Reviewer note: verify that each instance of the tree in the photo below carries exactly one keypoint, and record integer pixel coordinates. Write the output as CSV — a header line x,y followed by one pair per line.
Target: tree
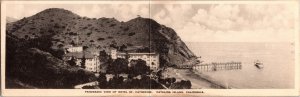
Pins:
x,y
103,56
58,53
26,37
171,80
73,43
114,44
118,66
127,55
102,80
159,74
188,84
181,85
116,82
123,47
144,50
85,47
82,75
144,82
139,67
60,46
72,62
83,62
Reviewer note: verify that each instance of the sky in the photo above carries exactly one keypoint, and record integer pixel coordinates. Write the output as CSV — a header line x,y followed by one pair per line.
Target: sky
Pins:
x,y
258,22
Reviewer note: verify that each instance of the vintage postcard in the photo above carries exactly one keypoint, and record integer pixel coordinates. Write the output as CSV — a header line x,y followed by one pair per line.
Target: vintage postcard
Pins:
x,y
150,48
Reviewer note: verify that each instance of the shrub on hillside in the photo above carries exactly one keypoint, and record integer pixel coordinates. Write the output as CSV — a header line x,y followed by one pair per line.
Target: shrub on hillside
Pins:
x,y
89,33
126,29
73,33
100,39
112,25
129,44
32,28
56,25
131,34
110,37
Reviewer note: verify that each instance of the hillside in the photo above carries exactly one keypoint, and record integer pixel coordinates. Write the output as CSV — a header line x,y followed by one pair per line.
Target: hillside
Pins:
x,y
62,27
29,67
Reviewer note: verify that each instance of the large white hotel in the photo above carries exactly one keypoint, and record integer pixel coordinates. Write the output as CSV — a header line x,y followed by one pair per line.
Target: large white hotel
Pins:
x,y
152,59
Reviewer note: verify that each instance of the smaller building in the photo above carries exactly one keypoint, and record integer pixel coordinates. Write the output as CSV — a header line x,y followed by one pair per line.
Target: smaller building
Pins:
x,y
113,53
92,62
70,48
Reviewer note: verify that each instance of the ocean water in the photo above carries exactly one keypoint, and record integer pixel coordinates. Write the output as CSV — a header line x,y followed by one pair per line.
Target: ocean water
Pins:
x,y
278,60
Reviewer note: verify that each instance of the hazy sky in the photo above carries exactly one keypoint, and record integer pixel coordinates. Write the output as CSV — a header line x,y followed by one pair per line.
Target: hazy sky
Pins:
x,y
193,22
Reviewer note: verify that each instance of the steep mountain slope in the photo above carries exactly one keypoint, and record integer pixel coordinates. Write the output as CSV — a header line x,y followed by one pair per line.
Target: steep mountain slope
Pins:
x,y
63,27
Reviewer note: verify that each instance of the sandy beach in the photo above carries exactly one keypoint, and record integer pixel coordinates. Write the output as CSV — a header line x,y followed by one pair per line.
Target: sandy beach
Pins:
x,y
199,81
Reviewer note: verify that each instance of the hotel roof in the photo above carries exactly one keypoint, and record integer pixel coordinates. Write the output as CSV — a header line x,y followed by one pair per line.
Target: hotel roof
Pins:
x,y
137,53
80,55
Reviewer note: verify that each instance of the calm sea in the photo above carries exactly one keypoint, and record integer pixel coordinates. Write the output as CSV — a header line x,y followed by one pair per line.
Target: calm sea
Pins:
x,y
278,60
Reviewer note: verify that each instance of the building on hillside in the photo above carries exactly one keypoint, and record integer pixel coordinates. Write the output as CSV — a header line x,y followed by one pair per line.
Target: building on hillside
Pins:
x,y
70,48
113,53
152,59
92,62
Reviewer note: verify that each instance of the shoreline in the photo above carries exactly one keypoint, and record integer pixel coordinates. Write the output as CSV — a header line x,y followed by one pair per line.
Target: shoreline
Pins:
x,y
199,81
200,76
206,78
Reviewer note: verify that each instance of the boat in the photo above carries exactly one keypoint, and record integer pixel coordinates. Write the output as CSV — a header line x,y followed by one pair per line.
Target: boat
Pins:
x,y
259,64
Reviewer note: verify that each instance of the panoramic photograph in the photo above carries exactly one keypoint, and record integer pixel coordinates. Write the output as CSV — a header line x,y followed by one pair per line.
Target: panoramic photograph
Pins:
x,y
150,46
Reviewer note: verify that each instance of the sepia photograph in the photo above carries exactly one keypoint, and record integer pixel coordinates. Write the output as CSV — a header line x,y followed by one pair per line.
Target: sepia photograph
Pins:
x,y
150,47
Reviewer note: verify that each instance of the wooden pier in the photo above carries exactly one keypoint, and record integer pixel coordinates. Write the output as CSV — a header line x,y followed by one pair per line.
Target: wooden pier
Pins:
x,y
184,67
218,66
